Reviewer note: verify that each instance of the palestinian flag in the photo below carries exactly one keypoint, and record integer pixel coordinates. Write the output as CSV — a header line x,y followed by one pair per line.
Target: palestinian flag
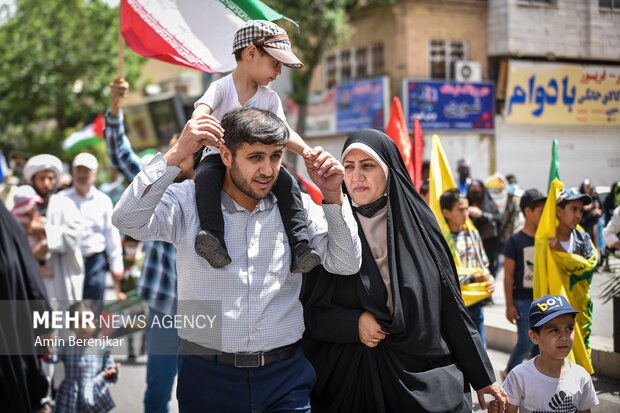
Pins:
x,y
193,33
90,135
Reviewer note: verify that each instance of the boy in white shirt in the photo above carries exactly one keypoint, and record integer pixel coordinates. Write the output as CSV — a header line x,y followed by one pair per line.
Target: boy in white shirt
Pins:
x,y
261,48
549,382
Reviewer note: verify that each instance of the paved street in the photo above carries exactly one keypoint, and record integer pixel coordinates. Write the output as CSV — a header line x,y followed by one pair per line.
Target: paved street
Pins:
x,y
129,391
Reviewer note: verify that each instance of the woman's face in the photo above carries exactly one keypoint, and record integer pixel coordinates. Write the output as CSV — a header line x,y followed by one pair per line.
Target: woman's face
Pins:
x,y
363,176
474,194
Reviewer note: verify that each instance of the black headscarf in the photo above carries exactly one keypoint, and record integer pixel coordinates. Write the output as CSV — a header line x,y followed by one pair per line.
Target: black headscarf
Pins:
x,y
431,339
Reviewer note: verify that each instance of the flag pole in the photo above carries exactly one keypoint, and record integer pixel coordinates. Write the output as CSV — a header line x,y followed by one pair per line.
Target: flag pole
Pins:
x,y
121,52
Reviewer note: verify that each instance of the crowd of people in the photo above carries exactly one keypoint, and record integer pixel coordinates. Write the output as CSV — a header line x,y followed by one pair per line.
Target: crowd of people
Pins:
x,y
377,322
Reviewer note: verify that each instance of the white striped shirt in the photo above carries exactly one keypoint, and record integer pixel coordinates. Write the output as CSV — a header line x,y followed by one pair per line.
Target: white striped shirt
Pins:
x,y
258,295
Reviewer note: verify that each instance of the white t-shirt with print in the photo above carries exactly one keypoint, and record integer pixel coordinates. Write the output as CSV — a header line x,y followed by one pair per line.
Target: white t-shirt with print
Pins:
x,y
221,97
534,392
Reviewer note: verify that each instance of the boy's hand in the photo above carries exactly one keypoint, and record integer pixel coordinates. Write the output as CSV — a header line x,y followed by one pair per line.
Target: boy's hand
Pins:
x,y
512,314
327,173
119,88
490,287
494,406
308,152
117,275
554,244
494,390
197,133
112,372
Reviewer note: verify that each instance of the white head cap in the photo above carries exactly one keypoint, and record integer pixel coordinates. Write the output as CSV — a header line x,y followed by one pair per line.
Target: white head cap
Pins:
x,y
87,160
40,163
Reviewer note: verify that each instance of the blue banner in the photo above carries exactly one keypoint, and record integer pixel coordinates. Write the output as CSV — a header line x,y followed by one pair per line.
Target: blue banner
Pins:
x,y
450,106
361,105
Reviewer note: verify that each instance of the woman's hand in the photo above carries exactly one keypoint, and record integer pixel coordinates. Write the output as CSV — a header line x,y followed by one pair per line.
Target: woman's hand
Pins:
x,y
370,330
494,390
474,211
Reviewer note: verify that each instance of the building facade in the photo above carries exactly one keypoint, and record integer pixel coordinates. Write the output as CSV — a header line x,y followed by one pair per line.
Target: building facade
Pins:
x,y
415,48
556,45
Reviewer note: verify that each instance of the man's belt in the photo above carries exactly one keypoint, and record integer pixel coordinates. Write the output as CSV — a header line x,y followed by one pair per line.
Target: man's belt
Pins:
x,y
241,360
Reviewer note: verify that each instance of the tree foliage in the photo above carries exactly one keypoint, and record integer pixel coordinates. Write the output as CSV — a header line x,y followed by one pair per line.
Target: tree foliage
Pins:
x,y
58,58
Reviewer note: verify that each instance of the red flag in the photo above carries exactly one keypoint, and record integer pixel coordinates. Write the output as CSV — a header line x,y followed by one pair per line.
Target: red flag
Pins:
x,y
397,130
313,191
418,149
193,33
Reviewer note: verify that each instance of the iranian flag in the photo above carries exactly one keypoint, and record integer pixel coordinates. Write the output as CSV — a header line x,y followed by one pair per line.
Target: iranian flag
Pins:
x,y
194,33
89,136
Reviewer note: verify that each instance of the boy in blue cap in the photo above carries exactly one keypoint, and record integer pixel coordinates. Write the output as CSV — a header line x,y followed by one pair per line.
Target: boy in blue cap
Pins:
x,y
550,382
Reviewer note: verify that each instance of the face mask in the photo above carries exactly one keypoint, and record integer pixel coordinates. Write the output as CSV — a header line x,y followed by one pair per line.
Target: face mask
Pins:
x,y
512,188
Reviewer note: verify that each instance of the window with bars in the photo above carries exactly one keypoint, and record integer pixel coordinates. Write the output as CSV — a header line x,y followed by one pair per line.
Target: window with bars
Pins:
x,y
609,4
345,66
349,64
377,59
331,76
442,56
361,62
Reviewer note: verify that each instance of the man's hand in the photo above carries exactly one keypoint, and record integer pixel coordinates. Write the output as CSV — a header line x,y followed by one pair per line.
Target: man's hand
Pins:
x,y
370,330
495,391
512,314
111,372
197,133
327,174
119,88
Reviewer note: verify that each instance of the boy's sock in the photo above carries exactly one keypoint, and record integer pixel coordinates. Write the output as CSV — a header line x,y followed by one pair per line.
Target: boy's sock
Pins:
x,y
211,246
303,258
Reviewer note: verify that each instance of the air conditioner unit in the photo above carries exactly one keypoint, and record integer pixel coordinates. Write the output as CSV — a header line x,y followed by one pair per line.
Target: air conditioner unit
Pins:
x,y
468,71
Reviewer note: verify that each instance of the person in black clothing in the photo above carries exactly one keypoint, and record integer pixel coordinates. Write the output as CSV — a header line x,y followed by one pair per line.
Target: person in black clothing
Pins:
x,y
591,213
396,336
486,218
22,382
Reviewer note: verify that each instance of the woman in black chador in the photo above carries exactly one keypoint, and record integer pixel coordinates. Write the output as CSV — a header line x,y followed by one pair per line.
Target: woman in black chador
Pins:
x,y
396,336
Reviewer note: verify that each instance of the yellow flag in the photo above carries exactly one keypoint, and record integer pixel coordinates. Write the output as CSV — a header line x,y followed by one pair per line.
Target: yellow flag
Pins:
x,y
569,275
440,181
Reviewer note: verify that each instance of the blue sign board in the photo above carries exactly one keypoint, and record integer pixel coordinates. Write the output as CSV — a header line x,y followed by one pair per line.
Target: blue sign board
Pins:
x,y
361,105
450,106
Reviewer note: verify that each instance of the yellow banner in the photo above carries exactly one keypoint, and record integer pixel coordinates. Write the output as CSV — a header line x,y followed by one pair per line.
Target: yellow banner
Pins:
x,y
568,275
440,180
562,94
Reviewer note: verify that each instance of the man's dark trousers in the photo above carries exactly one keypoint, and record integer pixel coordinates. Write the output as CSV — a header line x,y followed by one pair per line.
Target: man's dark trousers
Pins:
x,y
284,386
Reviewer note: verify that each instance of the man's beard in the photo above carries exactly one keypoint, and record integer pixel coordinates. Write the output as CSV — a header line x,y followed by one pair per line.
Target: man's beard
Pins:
x,y
246,187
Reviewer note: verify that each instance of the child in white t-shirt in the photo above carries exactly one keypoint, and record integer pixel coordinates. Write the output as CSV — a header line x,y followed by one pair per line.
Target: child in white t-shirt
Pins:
x,y
261,48
549,382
